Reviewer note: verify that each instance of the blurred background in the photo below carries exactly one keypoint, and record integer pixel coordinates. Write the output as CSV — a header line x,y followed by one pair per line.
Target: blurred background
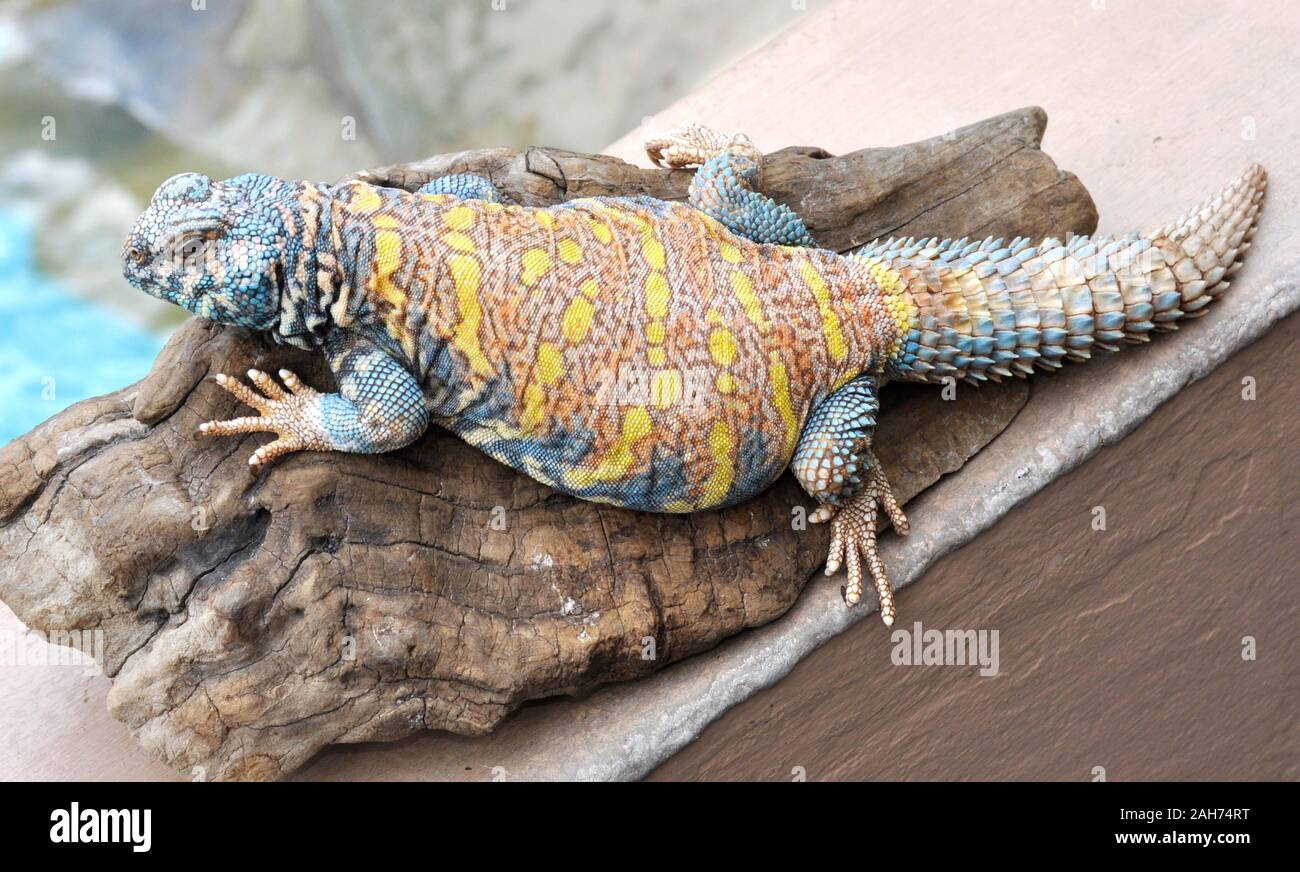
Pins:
x,y
100,100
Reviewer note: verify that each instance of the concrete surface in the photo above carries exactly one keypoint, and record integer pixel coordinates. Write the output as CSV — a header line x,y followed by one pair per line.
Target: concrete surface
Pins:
x,y
1154,105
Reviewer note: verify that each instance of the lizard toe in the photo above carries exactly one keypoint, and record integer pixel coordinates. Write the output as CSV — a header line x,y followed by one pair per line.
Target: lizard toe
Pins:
x,y
295,385
821,514
266,384
242,392
263,456
235,426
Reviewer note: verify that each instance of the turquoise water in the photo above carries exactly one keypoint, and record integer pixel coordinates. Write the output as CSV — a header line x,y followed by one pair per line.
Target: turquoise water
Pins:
x,y
56,349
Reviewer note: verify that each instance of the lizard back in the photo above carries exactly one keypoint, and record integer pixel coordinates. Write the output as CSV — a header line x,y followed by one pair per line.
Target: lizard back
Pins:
x,y
630,351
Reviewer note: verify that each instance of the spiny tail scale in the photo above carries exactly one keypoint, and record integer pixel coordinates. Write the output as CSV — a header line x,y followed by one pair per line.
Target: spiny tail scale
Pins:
x,y
985,310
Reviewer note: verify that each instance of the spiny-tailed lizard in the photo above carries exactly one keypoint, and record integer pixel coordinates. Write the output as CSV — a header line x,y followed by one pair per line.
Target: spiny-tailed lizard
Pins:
x,y
661,356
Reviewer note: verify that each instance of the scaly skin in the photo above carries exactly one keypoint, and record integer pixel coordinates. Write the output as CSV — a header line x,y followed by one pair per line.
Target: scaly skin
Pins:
x,y
653,355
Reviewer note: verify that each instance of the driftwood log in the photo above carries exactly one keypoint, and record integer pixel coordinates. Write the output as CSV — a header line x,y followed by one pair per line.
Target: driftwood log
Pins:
x,y
248,621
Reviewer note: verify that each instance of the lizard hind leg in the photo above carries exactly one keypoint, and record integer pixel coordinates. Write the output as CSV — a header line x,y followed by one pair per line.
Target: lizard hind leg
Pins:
x,y
726,186
834,464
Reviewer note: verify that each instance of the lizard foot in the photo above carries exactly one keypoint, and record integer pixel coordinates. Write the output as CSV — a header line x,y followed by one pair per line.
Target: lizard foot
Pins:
x,y
853,539
293,415
692,145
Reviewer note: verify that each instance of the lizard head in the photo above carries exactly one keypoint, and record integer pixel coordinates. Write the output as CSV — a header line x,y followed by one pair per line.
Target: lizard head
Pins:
x,y
217,249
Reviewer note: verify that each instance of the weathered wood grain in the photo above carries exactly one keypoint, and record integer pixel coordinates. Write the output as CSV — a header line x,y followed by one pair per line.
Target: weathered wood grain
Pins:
x,y
985,179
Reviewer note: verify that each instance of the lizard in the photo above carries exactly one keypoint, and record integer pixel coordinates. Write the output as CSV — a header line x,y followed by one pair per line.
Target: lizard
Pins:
x,y
655,355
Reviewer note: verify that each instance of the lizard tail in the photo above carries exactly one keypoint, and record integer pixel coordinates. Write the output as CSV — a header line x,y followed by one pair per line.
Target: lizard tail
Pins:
x,y
985,310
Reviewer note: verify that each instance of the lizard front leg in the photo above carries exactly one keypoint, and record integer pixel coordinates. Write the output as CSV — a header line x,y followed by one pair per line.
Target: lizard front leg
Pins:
x,y
834,464
379,406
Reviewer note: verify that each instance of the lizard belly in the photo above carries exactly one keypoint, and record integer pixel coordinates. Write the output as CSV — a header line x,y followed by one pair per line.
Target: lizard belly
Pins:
x,y
648,439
